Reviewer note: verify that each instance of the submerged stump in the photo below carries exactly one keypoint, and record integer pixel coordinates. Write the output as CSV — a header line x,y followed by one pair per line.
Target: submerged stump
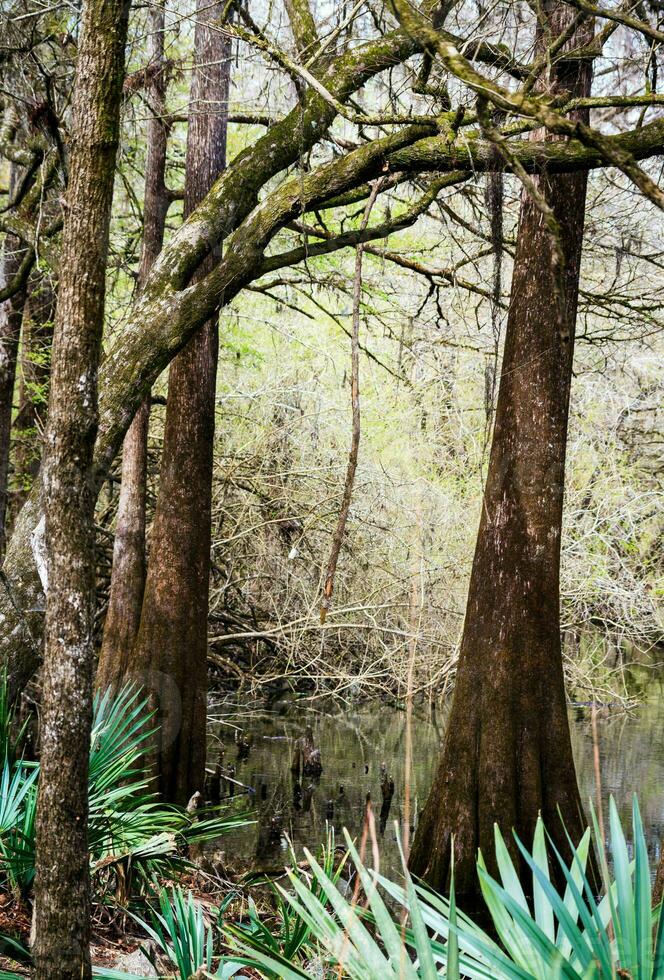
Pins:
x,y
306,757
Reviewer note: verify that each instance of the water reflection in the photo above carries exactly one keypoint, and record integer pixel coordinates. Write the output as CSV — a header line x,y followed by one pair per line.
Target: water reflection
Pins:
x,y
363,754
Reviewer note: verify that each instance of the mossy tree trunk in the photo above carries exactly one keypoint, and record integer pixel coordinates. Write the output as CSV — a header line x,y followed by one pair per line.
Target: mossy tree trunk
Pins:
x,y
507,754
129,561
171,649
62,886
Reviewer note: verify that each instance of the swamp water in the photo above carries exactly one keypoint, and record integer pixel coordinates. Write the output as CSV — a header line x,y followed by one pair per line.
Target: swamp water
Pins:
x,y
355,741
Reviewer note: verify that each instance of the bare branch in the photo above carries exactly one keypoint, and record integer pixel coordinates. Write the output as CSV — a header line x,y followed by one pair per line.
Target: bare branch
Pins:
x,y
338,536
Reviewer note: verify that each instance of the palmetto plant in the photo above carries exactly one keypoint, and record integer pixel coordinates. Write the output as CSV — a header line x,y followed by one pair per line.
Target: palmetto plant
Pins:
x,y
11,734
571,935
18,798
127,825
186,937
18,808
123,815
190,940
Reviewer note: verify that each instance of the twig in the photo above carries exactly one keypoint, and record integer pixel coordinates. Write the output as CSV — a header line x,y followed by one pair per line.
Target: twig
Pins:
x,y
355,398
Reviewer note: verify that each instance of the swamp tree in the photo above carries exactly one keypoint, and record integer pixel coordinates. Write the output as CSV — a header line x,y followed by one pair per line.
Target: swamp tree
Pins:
x,y
507,755
129,560
319,156
170,655
62,888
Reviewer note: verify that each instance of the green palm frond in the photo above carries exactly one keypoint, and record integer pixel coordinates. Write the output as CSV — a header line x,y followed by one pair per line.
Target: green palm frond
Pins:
x,y
18,805
286,934
120,728
127,824
11,740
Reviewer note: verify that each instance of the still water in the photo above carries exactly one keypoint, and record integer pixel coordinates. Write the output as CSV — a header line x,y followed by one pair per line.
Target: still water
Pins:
x,y
355,740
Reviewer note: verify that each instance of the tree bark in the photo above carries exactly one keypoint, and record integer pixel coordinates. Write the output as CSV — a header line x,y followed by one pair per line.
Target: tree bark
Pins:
x,y
507,753
129,561
62,886
33,393
11,315
171,649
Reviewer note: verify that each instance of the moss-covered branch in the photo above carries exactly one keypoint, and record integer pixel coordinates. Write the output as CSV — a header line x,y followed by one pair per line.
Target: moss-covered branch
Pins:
x,y
522,104
619,17
303,27
332,243
161,326
235,193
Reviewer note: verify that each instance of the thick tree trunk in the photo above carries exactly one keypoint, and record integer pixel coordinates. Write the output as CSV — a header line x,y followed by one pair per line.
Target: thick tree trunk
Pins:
x,y
128,575
62,887
507,754
11,314
171,649
33,393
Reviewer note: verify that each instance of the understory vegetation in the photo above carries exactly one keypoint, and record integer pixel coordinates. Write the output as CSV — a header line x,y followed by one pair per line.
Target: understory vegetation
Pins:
x,y
132,835
335,914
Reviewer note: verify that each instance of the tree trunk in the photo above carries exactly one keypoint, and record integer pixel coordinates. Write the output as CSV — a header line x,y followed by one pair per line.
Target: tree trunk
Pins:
x,y
128,575
507,753
33,394
62,886
171,649
11,314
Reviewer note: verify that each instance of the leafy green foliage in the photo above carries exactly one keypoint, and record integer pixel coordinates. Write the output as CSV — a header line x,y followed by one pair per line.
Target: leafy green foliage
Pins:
x,y
182,934
15,950
546,933
572,935
18,809
127,825
10,739
180,931
18,799
128,828
189,940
